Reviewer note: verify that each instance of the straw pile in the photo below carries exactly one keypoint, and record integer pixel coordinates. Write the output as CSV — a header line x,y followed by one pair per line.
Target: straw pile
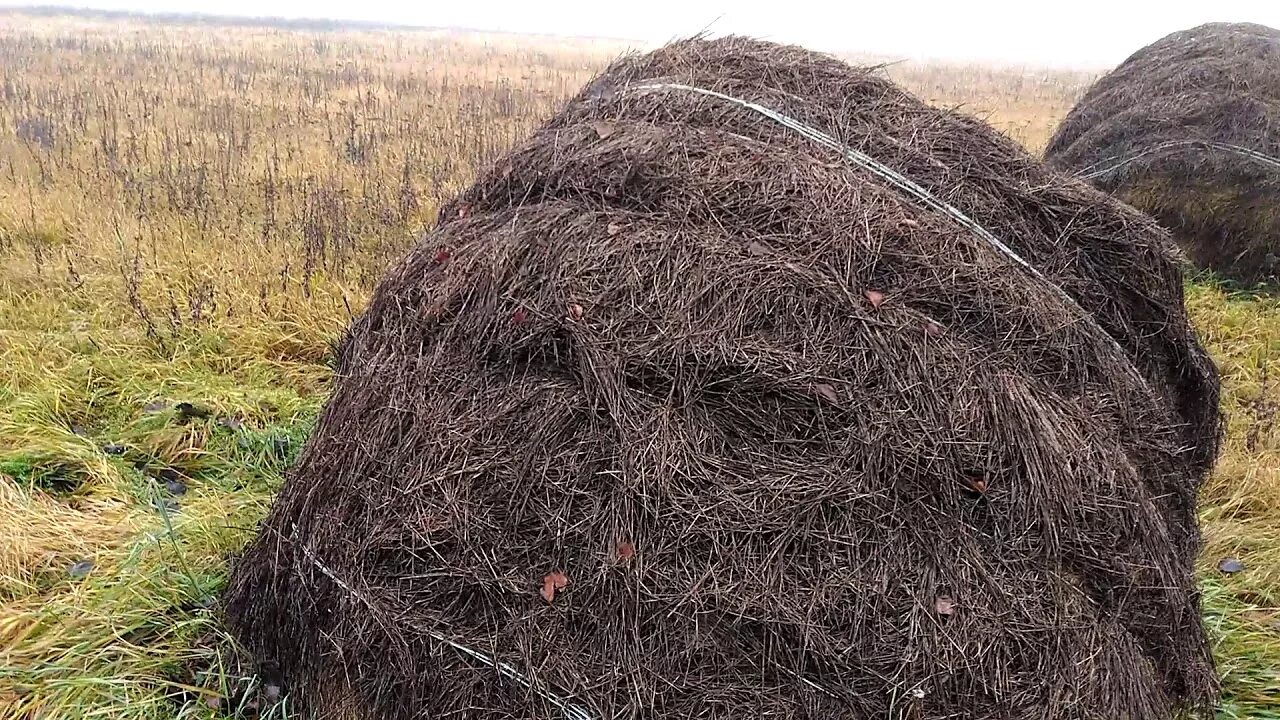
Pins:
x,y
678,413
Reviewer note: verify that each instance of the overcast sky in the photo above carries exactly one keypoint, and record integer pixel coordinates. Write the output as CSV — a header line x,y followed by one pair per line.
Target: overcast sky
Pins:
x,y
1071,33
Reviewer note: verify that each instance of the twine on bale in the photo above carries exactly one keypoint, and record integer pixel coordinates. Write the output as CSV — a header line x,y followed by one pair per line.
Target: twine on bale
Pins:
x,y
904,183
1120,162
571,710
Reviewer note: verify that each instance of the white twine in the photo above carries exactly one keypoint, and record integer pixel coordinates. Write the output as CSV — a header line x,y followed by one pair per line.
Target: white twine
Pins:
x,y
571,711
1090,174
902,182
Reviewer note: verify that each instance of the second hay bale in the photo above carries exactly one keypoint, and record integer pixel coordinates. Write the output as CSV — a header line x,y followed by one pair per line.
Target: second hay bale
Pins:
x,y
1188,130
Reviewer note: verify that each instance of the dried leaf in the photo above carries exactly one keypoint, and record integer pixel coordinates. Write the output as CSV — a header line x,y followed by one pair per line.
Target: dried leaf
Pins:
x,y
442,256
551,583
944,605
626,550
604,129
80,569
757,249
575,311
1230,566
613,229
827,392
519,316
875,297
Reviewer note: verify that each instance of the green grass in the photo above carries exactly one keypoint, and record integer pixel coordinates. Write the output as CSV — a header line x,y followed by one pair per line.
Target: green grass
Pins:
x,y
1240,505
91,446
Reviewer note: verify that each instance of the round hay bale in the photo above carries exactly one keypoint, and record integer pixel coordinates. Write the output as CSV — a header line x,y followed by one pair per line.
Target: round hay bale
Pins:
x,y
1188,130
679,413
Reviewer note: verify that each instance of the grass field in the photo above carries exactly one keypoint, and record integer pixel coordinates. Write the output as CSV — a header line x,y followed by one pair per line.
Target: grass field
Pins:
x,y
189,215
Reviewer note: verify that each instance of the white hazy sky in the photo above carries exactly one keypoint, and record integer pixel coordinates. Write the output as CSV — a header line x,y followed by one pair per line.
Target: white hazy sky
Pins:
x,y
1064,33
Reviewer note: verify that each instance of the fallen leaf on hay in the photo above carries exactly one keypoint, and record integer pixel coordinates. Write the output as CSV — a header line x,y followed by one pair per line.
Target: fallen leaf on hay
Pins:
x,y
604,129
626,550
552,583
827,392
875,297
613,229
575,311
519,316
944,605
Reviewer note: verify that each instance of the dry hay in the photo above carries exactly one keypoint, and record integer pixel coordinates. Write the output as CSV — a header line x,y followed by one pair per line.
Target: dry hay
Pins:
x,y
678,414
1171,131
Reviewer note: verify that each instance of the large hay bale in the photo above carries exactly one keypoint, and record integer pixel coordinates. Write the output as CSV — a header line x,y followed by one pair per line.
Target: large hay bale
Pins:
x,y
677,413
1188,130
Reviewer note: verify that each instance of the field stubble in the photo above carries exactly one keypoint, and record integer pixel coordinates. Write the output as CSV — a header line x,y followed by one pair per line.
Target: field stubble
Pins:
x,y
189,216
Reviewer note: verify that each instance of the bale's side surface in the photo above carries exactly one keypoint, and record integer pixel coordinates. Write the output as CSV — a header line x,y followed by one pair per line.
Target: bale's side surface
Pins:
x,y
678,414
1140,128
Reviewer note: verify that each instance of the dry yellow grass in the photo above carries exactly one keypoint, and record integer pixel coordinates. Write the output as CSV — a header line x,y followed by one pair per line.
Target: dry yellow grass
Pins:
x,y
190,214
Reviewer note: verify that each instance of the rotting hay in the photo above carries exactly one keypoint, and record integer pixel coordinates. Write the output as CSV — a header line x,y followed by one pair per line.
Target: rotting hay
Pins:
x,y
678,413
1188,130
